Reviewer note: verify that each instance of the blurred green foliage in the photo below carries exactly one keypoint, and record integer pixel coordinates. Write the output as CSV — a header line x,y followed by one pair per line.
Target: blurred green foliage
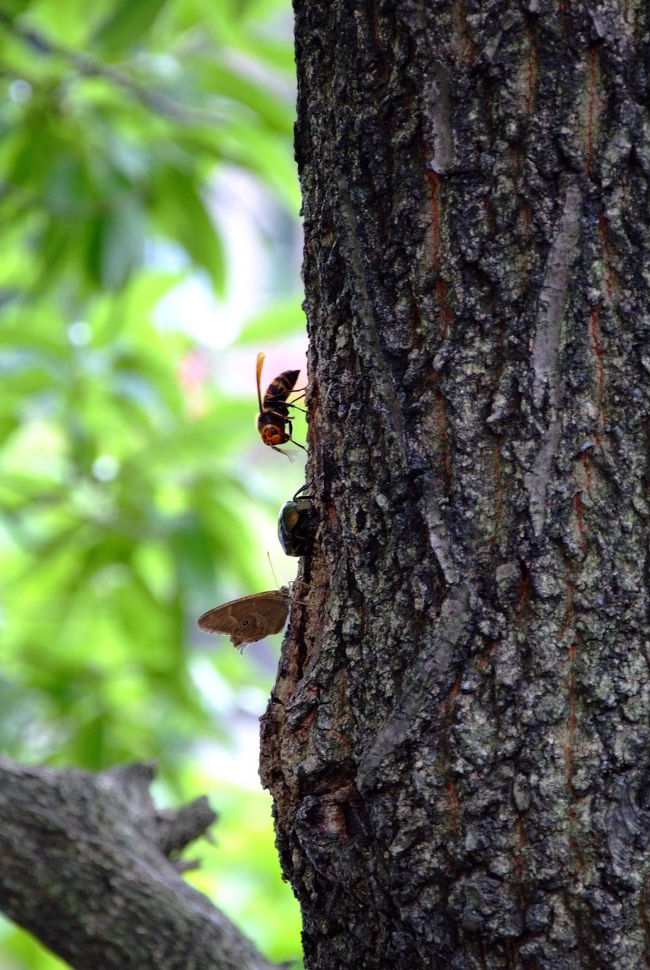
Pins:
x,y
129,500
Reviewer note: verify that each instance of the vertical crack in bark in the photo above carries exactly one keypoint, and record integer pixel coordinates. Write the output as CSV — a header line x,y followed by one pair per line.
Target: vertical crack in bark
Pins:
x,y
440,121
532,67
444,310
426,681
607,256
594,107
366,336
438,534
546,344
596,343
546,350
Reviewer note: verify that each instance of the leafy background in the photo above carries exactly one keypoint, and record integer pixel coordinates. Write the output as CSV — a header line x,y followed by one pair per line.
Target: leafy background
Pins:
x,y
150,247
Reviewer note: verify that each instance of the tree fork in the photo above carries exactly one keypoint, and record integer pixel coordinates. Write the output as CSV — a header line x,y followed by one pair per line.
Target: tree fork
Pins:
x,y
85,868
457,743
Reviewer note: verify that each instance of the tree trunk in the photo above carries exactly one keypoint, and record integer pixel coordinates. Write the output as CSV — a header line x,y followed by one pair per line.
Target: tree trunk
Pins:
x,y
458,740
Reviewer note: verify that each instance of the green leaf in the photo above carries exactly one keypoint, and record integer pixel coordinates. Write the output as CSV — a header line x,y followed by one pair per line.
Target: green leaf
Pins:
x,y
106,564
67,188
284,318
118,244
273,109
193,559
255,150
128,23
181,213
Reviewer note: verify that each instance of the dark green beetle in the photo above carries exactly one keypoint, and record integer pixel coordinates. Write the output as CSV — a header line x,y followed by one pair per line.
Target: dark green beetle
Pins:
x,y
297,523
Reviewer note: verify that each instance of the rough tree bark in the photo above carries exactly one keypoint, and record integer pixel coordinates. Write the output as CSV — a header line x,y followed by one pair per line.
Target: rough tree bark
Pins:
x,y
458,740
84,865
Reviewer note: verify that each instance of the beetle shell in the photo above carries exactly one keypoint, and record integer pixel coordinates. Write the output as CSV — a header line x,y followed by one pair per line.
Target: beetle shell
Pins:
x,y
296,525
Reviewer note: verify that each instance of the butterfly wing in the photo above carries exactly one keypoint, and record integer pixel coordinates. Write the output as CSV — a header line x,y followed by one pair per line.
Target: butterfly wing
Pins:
x,y
249,618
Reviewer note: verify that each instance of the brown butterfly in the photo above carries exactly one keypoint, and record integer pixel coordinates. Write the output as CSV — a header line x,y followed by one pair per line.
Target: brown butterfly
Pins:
x,y
249,618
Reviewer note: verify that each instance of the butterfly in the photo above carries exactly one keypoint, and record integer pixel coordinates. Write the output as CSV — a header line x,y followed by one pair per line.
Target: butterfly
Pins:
x,y
249,618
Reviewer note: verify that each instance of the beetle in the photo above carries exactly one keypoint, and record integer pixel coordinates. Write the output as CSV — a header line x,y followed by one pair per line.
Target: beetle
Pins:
x,y
297,521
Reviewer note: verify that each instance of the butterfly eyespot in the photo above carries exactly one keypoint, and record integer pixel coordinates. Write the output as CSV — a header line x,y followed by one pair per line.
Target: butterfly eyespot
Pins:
x,y
248,618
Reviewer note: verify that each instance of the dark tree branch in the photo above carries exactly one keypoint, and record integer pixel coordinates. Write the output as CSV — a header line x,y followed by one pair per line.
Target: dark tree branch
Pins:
x,y
152,98
85,868
178,827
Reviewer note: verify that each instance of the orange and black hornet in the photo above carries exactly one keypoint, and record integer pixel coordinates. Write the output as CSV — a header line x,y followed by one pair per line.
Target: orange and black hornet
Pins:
x,y
273,419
